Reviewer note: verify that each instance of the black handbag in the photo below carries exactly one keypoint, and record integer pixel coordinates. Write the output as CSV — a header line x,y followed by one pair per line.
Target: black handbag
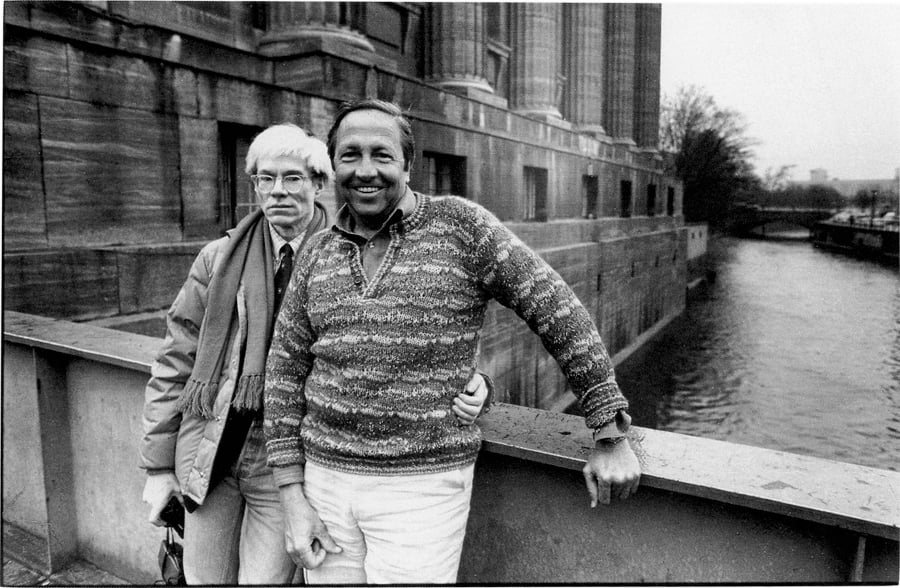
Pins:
x,y
171,561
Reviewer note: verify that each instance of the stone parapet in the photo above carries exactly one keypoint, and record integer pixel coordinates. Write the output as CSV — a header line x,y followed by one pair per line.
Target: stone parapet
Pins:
x,y
706,512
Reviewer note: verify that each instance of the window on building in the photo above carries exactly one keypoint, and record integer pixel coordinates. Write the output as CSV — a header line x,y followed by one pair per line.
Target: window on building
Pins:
x,y
670,201
625,199
352,15
445,174
496,16
383,22
535,194
591,193
651,199
237,198
259,15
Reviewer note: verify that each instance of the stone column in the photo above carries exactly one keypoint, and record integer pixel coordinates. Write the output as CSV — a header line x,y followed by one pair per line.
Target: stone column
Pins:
x,y
584,44
290,23
648,25
618,106
534,68
457,46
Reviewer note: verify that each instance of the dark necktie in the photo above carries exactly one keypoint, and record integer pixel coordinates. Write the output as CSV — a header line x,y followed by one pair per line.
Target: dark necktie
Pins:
x,y
283,274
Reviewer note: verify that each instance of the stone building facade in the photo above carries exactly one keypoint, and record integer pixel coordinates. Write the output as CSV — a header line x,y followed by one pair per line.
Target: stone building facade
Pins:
x,y
126,124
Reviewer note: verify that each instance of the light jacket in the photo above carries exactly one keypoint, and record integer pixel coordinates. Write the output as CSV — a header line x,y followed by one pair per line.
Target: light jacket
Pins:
x,y
184,443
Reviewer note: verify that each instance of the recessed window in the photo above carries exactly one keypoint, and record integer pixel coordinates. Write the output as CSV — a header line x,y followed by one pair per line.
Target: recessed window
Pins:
x,y
651,199
670,201
237,198
535,194
445,174
591,190
625,199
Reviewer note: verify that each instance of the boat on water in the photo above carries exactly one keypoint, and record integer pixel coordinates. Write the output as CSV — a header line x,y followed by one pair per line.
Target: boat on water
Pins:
x,y
866,236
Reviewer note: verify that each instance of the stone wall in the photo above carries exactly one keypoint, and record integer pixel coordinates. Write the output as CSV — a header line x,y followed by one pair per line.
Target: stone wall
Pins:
x,y
116,159
629,284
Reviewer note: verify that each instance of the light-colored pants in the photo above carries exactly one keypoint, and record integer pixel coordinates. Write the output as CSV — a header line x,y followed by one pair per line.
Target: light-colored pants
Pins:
x,y
237,534
393,529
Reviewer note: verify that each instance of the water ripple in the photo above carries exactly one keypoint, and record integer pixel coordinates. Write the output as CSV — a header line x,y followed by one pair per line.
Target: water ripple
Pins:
x,y
792,348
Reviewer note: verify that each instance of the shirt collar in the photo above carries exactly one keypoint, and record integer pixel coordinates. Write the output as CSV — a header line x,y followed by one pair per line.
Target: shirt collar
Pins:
x,y
278,242
346,224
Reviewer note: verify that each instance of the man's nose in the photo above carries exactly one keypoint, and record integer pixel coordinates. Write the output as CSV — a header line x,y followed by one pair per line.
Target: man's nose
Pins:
x,y
366,168
278,187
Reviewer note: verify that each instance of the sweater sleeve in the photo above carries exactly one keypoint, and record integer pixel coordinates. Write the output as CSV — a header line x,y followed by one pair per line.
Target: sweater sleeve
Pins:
x,y
519,279
287,367
173,365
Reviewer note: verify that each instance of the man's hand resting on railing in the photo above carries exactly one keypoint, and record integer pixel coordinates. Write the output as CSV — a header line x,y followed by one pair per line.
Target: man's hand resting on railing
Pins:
x,y
157,492
611,470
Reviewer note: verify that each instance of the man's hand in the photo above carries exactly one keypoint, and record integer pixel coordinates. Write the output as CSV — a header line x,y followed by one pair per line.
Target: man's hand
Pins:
x,y
611,471
157,492
305,537
468,405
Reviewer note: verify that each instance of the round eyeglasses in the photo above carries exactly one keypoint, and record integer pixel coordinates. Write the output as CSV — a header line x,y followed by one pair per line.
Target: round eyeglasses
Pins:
x,y
265,184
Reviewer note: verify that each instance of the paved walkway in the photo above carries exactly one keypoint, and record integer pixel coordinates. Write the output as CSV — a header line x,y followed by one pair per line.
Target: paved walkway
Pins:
x,y
24,562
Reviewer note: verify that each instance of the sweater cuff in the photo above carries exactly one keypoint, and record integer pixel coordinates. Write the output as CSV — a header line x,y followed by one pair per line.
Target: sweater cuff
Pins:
x,y
287,475
614,428
488,401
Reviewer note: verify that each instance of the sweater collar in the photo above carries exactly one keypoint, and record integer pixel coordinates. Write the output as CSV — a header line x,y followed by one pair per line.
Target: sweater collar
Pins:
x,y
406,214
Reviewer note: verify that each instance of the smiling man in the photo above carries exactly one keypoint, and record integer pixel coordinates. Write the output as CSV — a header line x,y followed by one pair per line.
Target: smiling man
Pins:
x,y
380,327
203,440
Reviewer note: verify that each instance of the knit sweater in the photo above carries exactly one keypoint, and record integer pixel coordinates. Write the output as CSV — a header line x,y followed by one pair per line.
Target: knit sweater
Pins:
x,y
361,374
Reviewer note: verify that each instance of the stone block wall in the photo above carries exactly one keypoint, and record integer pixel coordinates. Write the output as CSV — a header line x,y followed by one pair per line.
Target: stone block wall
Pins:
x,y
629,284
85,283
114,118
642,281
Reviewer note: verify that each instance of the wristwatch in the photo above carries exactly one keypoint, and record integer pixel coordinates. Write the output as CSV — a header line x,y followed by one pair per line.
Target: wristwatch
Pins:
x,y
610,441
613,432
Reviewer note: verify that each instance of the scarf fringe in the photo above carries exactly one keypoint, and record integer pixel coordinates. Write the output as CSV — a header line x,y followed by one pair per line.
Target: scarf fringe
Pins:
x,y
198,398
249,393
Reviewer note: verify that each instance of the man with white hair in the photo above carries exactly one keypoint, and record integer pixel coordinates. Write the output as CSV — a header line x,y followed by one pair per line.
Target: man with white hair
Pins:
x,y
203,442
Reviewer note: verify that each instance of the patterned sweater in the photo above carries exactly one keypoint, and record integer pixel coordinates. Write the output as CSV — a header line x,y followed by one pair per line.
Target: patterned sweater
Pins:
x,y
361,375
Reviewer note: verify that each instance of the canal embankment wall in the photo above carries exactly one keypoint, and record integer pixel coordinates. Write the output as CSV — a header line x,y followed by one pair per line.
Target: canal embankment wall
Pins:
x,y
127,125
629,273
707,511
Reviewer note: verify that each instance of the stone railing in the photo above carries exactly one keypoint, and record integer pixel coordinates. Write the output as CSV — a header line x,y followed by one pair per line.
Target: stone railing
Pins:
x,y
707,511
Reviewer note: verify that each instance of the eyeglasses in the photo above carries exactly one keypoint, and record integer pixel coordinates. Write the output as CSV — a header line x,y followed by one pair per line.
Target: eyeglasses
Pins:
x,y
265,184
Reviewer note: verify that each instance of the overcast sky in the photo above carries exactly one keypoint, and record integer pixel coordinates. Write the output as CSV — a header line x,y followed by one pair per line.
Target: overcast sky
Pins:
x,y
817,83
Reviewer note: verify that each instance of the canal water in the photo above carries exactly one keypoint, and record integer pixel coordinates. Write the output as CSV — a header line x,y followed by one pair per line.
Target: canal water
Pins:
x,y
791,348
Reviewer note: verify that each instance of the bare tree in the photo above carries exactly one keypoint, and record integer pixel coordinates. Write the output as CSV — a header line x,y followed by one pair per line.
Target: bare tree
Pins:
x,y
775,181
707,148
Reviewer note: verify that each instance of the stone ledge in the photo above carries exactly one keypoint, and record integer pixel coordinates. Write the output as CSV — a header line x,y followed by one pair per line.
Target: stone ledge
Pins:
x,y
848,496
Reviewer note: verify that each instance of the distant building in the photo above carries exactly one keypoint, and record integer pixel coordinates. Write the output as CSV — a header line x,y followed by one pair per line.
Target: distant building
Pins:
x,y
818,176
849,188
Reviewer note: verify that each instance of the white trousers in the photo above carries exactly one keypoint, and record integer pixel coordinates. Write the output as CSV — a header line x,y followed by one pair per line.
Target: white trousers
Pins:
x,y
405,529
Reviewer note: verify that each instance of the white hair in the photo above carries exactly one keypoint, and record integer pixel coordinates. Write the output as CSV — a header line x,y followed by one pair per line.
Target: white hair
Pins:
x,y
289,139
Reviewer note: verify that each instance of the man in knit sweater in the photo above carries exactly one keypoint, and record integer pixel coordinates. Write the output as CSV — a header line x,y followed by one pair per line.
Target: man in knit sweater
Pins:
x,y
203,438
378,332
